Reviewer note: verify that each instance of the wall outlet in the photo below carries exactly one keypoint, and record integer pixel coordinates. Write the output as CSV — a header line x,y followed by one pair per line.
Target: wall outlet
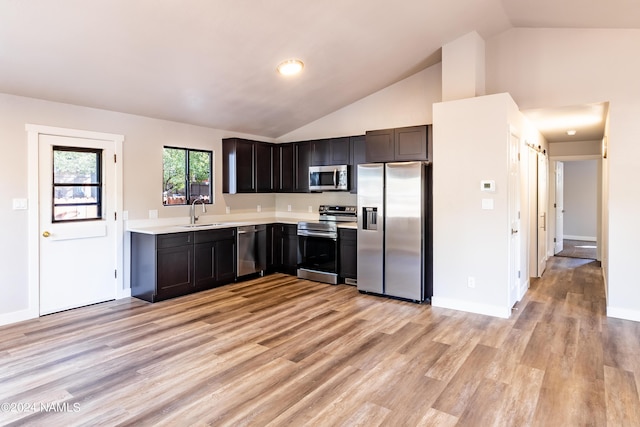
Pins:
x,y
228,209
471,282
310,208
153,214
288,208
259,208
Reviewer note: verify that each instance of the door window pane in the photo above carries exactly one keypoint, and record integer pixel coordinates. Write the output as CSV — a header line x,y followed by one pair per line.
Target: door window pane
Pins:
x,y
77,184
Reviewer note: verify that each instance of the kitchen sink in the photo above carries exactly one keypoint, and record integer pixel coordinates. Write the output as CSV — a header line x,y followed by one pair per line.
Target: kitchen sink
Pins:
x,y
200,225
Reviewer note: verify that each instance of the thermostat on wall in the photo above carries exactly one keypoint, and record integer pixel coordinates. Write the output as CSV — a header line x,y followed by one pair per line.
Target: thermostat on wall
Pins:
x,y
488,185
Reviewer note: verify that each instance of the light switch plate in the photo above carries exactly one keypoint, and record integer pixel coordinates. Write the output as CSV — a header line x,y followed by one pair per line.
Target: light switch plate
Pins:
x,y
487,204
20,204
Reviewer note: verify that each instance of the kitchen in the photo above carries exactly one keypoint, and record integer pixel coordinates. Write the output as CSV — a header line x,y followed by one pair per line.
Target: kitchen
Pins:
x,y
329,165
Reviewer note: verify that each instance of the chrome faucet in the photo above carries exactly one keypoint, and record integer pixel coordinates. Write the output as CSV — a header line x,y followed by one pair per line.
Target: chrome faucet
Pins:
x,y
194,218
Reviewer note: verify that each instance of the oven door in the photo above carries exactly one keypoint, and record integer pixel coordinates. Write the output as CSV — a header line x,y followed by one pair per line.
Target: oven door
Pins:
x,y
319,258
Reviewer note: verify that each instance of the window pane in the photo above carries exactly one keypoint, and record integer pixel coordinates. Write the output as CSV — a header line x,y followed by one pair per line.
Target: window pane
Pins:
x,y
69,213
174,165
77,184
64,195
75,167
200,175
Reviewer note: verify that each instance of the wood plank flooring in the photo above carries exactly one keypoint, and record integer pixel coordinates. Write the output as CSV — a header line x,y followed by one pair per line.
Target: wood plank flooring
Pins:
x,y
279,351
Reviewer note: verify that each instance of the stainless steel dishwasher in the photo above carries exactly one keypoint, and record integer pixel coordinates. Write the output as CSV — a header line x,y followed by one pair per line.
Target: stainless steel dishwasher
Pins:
x,y
252,249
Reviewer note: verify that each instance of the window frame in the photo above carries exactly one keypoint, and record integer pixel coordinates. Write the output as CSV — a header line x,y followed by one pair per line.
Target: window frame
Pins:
x,y
99,184
187,170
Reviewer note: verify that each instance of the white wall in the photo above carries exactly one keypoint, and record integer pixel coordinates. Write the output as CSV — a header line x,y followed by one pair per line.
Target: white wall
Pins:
x,y
471,144
580,200
560,67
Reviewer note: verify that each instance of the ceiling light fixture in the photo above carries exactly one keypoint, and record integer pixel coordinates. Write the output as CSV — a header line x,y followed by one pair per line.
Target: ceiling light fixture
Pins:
x,y
290,67
571,132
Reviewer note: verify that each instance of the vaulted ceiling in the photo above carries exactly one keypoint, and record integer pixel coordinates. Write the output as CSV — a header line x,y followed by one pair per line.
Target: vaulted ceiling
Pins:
x,y
212,62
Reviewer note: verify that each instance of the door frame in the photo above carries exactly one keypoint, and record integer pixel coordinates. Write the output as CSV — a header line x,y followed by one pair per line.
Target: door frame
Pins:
x,y
577,158
33,191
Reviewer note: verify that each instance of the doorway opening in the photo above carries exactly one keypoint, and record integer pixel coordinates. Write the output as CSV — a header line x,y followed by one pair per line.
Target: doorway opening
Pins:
x,y
577,205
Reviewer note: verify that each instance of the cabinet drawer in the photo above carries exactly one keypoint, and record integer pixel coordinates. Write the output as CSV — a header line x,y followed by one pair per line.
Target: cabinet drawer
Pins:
x,y
173,240
214,235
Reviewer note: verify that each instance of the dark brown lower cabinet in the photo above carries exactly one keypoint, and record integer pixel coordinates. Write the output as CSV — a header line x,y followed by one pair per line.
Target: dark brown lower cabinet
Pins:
x,y
169,265
215,260
348,253
165,266
285,248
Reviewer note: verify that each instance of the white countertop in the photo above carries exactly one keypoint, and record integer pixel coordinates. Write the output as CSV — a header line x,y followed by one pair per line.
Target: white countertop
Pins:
x,y
180,225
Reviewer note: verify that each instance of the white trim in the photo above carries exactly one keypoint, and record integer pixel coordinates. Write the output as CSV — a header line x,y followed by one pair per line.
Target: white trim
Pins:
x,y
33,238
16,316
587,238
524,288
471,307
623,313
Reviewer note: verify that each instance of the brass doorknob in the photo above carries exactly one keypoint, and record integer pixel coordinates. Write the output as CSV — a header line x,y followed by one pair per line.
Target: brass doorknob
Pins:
x,y
46,234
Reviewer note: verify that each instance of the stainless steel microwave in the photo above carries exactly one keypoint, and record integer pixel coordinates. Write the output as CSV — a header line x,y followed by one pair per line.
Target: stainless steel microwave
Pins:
x,y
329,178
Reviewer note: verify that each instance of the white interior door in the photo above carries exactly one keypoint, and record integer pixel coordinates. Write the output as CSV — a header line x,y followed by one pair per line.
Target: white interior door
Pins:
x,y
514,219
542,212
77,228
559,207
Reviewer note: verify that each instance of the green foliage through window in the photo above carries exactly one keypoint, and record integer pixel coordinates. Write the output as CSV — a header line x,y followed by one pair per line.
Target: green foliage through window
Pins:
x,y
186,176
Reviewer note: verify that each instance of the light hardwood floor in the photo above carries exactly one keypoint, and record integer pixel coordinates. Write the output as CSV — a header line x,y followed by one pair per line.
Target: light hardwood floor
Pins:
x,y
280,351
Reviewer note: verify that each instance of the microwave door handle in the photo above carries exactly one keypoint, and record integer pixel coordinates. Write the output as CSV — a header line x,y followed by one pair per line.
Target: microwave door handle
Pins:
x,y
335,172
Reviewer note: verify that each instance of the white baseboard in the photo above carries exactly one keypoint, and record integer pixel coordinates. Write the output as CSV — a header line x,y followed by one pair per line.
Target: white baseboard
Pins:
x,y
623,313
17,316
524,288
123,293
471,307
586,238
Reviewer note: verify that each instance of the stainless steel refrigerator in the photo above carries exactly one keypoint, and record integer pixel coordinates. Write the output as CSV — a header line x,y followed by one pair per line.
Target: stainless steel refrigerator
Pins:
x,y
395,254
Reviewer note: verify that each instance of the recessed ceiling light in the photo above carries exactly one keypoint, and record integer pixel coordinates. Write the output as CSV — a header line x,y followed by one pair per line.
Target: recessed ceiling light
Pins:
x,y
290,67
571,132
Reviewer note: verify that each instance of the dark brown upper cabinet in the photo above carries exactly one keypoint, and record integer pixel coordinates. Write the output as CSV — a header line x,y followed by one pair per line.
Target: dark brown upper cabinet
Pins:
x,y
357,157
302,159
284,168
333,151
400,144
247,166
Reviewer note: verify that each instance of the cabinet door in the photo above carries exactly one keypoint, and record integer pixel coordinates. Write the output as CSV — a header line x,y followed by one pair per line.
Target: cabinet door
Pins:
x,y
411,143
286,168
289,249
204,266
357,158
225,260
379,146
238,166
245,167
174,271
264,167
339,151
302,159
320,155
348,253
